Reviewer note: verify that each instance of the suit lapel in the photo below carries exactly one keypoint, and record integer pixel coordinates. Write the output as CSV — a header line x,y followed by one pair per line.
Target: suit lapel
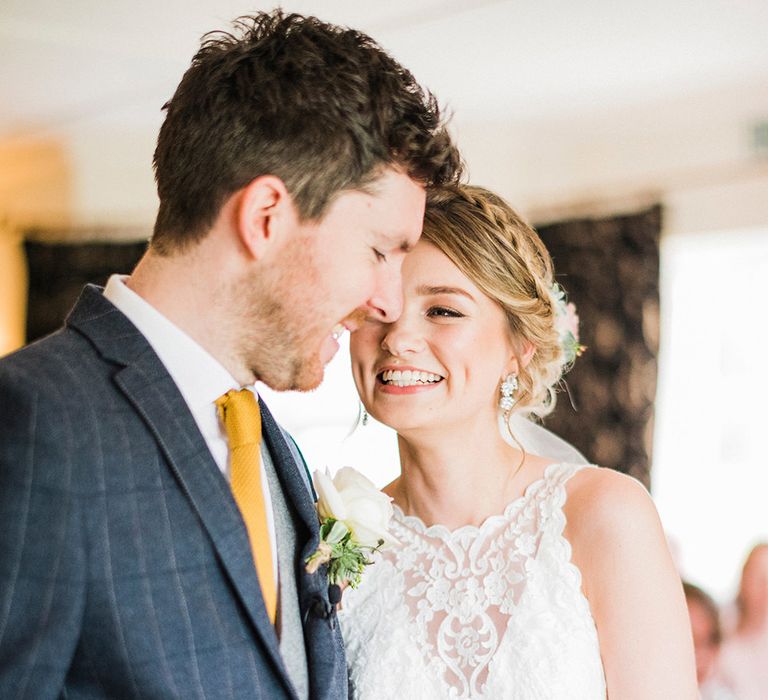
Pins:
x,y
289,471
153,393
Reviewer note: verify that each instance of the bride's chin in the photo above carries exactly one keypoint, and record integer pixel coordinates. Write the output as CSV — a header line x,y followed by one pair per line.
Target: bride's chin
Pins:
x,y
401,422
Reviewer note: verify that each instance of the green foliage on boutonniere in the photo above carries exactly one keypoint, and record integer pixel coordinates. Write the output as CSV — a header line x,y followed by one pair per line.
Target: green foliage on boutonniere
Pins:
x,y
346,558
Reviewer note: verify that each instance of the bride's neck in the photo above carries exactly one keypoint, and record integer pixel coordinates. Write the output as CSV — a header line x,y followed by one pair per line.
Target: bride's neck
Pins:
x,y
455,478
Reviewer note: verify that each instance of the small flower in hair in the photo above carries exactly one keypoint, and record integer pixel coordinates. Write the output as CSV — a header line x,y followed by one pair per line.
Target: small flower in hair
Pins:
x,y
567,325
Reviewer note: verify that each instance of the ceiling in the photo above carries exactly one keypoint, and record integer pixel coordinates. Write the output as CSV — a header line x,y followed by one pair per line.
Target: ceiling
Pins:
x,y
64,63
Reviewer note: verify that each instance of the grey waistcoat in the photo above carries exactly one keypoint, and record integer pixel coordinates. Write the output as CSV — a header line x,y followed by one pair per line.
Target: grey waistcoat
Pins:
x,y
289,627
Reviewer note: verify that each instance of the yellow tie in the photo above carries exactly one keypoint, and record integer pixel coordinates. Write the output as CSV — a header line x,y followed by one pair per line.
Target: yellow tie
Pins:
x,y
239,412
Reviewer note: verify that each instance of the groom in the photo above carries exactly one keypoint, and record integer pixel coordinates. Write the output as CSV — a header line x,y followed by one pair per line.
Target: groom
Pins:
x,y
291,169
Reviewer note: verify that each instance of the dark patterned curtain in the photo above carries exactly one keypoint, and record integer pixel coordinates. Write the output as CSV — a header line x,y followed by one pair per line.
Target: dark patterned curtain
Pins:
x,y
610,269
58,272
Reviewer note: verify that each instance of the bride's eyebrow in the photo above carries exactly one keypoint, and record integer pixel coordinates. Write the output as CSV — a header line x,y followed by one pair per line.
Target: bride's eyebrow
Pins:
x,y
429,290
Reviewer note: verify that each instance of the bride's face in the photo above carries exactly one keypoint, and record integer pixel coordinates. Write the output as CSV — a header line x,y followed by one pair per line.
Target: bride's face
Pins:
x,y
441,362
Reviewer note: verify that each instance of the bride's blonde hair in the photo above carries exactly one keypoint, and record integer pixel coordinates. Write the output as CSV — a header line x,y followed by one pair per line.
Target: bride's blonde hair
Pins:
x,y
484,237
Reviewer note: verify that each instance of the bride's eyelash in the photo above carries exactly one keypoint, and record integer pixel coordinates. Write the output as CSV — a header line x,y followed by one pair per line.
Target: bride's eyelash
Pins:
x,y
443,312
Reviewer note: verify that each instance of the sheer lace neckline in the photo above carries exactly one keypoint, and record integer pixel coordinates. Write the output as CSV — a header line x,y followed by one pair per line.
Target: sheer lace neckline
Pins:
x,y
414,522
479,612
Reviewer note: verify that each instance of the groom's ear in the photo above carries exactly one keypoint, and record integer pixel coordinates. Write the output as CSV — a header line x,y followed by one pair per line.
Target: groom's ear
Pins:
x,y
264,212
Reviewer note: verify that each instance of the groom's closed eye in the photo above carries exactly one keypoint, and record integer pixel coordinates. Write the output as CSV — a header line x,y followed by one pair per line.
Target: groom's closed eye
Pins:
x,y
389,248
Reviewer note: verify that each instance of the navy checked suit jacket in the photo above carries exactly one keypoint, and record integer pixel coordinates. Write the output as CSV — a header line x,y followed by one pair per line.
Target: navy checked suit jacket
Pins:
x,y
125,567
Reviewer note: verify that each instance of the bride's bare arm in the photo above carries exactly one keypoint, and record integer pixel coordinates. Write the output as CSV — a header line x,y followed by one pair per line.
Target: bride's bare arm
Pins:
x,y
632,586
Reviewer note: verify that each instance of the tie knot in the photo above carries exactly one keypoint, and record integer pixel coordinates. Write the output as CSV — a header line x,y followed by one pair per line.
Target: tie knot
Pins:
x,y
239,411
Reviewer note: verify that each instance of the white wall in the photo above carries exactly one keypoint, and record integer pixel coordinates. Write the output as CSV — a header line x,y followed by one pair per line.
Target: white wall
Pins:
x,y
593,162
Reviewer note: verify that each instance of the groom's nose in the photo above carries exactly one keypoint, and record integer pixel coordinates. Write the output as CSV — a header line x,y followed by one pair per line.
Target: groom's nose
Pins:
x,y
386,303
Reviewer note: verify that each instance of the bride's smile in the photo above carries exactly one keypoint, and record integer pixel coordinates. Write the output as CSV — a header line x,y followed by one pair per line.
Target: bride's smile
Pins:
x,y
406,380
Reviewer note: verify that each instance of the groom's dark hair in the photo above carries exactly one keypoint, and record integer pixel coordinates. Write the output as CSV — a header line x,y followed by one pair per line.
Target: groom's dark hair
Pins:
x,y
322,107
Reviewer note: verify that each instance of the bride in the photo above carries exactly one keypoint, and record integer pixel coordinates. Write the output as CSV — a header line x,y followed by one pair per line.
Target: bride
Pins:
x,y
516,575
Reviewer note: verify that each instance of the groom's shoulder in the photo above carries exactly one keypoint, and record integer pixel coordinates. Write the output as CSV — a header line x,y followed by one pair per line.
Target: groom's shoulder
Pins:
x,y
62,357
54,384
44,414
84,347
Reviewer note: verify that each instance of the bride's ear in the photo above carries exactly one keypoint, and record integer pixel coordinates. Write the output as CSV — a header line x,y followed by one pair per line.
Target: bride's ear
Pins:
x,y
522,354
264,213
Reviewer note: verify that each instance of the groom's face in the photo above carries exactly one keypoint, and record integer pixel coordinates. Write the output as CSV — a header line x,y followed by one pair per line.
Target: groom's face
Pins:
x,y
335,273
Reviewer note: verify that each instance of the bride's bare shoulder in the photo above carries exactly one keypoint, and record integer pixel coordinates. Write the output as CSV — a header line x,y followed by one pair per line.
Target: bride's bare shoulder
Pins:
x,y
606,504
615,533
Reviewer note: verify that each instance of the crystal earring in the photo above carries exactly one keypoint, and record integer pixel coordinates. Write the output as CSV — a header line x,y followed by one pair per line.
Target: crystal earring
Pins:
x,y
508,388
364,420
506,403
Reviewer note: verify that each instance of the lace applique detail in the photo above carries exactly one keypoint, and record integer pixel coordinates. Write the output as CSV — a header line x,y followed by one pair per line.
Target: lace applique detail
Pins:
x,y
494,611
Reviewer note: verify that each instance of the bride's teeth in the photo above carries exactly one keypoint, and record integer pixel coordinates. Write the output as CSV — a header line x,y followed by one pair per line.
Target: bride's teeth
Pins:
x,y
409,377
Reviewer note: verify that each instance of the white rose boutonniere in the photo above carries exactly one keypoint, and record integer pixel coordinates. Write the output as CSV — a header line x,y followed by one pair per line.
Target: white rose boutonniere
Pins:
x,y
354,520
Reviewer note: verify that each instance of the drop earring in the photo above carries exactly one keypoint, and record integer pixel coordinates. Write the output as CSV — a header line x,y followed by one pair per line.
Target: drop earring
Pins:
x,y
506,403
508,388
364,419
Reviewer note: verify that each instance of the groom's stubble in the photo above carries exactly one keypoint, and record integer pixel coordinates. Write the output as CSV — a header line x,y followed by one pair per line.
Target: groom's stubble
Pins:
x,y
283,320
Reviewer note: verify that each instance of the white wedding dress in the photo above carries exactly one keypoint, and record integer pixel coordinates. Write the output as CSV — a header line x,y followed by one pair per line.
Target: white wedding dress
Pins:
x,y
493,612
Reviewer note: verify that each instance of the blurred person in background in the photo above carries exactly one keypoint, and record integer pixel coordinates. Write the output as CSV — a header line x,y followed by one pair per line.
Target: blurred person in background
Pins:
x,y
707,638
744,655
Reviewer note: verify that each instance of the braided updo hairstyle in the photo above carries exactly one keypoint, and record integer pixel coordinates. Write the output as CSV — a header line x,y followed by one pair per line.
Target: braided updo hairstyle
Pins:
x,y
484,237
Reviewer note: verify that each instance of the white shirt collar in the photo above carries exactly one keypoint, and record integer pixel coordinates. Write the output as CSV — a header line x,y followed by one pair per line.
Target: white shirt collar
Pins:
x,y
201,378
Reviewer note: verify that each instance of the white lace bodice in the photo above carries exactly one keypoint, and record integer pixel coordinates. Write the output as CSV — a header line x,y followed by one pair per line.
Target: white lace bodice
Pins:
x,y
493,612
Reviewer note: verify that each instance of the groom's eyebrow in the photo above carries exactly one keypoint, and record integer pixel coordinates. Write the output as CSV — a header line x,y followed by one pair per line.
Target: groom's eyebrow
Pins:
x,y
429,290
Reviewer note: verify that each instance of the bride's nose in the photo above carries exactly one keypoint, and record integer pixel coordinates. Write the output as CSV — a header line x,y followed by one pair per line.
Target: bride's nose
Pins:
x,y
403,337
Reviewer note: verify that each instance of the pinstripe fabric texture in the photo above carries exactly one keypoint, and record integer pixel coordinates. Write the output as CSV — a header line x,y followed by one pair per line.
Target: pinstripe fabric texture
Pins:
x,y
125,567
